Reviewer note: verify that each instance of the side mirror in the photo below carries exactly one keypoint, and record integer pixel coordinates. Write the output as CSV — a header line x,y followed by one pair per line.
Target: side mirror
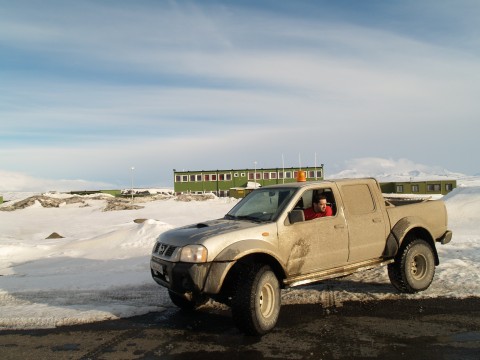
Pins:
x,y
295,216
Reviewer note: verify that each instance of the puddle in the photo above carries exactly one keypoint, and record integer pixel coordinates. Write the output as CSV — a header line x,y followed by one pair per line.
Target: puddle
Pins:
x,y
461,337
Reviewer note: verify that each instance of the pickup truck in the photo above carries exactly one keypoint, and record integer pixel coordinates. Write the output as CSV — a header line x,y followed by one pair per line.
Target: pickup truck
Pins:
x,y
264,244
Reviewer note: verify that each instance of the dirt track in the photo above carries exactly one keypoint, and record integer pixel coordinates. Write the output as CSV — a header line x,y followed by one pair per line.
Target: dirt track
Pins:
x,y
389,329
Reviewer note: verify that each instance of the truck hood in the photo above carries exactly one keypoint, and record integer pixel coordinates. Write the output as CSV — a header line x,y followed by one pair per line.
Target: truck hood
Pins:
x,y
200,232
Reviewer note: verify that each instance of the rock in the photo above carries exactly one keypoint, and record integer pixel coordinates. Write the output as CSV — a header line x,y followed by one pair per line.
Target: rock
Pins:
x,y
195,197
54,235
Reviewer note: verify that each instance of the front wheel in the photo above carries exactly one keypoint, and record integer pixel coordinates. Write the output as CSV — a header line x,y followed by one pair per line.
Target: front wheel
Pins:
x,y
256,304
413,268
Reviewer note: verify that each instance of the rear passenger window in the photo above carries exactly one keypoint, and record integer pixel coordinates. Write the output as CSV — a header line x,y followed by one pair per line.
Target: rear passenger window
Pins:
x,y
358,199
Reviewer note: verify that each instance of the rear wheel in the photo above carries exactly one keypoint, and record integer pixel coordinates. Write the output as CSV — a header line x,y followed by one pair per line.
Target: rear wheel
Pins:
x,y
256,304
414,267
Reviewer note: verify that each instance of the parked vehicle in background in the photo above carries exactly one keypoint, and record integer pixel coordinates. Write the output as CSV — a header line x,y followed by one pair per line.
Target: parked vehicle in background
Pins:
x,y
264,244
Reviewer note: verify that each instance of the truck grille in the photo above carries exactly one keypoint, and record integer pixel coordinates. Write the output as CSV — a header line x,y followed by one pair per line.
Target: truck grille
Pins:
x,y
164,249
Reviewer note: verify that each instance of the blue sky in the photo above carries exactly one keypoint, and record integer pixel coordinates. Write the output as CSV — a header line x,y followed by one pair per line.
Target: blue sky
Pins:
x,y
89,89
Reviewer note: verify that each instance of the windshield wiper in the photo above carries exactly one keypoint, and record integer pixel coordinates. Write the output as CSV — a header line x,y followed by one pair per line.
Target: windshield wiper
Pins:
x,y
250,218
245,217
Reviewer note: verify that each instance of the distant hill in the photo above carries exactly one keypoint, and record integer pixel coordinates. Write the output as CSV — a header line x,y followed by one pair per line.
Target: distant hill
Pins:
x,y
385,170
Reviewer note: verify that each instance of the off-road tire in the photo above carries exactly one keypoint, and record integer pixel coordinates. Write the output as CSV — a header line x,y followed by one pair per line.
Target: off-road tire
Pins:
x,y
182,302
256,303
414,267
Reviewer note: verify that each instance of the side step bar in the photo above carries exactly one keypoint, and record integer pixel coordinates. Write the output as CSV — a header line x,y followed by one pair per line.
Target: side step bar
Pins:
x,y
335,272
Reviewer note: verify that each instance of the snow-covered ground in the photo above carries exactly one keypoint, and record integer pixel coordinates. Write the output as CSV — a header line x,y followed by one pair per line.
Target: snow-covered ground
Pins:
x,y
99,268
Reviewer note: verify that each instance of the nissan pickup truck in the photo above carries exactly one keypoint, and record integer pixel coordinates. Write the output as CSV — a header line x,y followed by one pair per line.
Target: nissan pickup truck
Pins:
x,y
264,244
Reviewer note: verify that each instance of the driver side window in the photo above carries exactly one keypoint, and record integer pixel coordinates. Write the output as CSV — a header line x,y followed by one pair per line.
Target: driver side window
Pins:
x,y
308,196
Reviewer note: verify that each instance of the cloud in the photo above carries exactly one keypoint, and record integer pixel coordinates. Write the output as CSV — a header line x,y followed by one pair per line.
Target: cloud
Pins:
x,y
16,181
95,88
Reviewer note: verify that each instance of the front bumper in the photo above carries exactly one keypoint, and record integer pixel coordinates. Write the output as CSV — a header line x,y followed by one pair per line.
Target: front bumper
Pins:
x,y
204,278
179,277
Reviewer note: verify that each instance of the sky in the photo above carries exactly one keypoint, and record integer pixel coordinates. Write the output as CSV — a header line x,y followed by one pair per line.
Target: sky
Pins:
x,y
90,89
99,269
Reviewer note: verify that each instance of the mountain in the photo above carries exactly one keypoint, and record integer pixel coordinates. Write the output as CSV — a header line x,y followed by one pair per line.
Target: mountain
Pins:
x,y
386,170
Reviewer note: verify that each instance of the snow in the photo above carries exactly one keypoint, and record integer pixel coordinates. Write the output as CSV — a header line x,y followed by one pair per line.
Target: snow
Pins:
x,y
99,268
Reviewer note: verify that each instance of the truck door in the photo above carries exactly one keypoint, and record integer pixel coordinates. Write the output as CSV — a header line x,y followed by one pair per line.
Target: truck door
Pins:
x,y
367,226
316,244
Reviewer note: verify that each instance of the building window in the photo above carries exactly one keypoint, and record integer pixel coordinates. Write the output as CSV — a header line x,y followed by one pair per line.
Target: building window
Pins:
x,y
210,177
448,187
319,174
280,174
252,176
192,178
399,188
223,193
178,178
225,177
242,174
273,175
288,174
198,177
266,176
311,174
415,188
184,178
235,175
433,187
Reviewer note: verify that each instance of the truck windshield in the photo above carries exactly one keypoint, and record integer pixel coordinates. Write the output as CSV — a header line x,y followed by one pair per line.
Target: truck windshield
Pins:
x,y
261,205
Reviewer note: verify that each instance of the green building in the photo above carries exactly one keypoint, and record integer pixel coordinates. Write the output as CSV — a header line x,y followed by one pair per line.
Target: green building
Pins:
x,y
419,187
237,182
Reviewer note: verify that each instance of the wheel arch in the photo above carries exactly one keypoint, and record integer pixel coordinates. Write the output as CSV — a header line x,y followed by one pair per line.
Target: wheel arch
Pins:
x,y
406,235
238,256
266,259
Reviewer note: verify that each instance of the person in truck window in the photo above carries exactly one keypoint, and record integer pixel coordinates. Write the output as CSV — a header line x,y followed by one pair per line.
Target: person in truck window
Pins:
x,y
319,208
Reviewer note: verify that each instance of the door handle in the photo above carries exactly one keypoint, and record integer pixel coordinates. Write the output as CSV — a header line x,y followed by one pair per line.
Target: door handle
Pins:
x,y
377,220
339,226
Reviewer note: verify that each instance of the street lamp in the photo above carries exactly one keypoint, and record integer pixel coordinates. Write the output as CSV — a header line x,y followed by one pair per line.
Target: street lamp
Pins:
x,y
131,190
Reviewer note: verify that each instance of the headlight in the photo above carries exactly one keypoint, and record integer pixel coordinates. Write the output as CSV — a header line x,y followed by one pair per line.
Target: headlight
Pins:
x,y
194,254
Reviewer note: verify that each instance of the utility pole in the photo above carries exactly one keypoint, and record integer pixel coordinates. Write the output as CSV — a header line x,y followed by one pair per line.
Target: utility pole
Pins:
x,y
131,190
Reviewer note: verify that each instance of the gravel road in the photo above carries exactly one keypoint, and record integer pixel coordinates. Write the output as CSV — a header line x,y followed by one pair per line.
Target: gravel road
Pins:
x,y
441,328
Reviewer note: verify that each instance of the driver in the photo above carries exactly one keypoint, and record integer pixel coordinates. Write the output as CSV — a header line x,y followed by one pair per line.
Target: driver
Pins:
x,y
319,208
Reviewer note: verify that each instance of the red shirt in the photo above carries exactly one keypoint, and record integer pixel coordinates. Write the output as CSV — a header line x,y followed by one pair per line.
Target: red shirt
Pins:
x,y
311,214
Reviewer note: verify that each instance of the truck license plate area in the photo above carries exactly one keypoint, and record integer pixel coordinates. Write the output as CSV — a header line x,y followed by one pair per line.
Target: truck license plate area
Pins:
x,y
160,271
157,267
